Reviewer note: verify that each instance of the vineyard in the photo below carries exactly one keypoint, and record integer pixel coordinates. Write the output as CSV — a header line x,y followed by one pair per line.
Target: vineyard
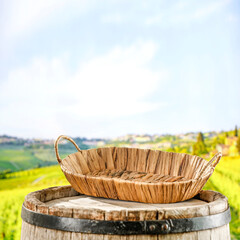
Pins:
x,y
17,158
226,179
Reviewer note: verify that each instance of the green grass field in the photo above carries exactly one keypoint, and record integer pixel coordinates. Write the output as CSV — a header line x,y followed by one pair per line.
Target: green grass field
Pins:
x,y
14,188
21,158
17,159
225,179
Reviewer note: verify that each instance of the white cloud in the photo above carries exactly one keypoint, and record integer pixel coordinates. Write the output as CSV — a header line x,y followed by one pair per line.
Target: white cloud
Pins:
x,y
113,18
109,86
232,18
154,19
210,9
22,17
186,12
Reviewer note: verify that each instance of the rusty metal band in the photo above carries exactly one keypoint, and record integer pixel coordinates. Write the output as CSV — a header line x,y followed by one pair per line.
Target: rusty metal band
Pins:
x,y
126,227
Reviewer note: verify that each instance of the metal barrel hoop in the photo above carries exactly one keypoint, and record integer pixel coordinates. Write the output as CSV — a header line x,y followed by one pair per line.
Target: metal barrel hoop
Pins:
x,y
126,227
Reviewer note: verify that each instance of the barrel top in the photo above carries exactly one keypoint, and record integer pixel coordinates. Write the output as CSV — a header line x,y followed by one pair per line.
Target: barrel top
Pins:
x,y
64,201
89,202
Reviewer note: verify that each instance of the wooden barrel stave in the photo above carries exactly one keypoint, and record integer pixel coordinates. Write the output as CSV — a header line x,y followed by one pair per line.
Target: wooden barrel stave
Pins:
x,y
33,232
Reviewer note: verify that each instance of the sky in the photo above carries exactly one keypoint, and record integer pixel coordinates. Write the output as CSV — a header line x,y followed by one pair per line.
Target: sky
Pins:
x,y
110,68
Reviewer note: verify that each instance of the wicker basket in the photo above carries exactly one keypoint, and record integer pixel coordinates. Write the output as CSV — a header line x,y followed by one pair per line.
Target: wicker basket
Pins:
x,y
133,174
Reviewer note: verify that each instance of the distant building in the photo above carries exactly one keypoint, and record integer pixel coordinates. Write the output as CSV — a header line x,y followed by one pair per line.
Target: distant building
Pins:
x,y
48,142
90,143
125,138
229,141
210,134
142,139
146,146
229,148
224,149
187,136
164,145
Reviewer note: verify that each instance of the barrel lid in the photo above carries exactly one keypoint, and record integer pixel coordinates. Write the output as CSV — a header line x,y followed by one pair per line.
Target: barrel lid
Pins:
x,y
64,201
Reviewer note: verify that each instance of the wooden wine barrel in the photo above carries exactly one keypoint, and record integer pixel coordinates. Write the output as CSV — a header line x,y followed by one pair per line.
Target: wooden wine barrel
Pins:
x,y
62,213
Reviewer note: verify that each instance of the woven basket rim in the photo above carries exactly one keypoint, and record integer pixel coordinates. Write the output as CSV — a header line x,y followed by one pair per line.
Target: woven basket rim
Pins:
x,y
205,176
147,149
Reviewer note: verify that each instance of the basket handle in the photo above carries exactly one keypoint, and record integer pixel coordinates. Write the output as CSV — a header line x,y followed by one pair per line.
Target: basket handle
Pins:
x,y
56,146
214,161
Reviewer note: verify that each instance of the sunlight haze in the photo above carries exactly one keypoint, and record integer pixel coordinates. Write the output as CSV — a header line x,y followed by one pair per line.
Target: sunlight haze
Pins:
x,y
85,68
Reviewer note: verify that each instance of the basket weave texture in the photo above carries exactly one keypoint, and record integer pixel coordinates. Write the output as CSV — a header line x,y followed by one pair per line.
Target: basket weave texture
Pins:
x,y
133,174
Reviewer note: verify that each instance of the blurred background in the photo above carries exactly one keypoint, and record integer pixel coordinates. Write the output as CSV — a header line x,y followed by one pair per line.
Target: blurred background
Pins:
x,y
150,74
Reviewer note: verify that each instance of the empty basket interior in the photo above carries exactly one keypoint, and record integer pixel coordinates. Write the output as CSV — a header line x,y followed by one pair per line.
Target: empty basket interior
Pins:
x,y
135,164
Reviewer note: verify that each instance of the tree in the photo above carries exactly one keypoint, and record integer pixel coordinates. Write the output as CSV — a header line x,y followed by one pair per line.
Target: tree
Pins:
x,y
199,147
200,137
238,144
236,131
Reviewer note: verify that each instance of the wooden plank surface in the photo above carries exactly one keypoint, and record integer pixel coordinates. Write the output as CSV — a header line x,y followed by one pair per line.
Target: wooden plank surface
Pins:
x,y
111,204
99,208
30,232
66,202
